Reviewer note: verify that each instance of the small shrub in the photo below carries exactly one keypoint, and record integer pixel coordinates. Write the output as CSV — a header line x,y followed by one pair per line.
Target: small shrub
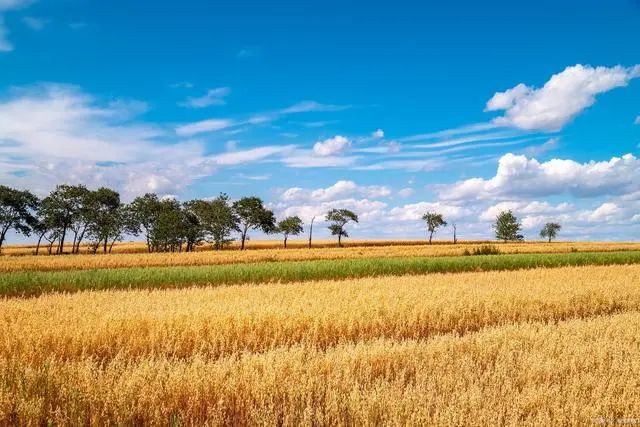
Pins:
x,y
484,250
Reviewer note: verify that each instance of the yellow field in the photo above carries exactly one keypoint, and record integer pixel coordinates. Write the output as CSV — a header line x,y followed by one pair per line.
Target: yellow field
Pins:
x,y
375,249
544,347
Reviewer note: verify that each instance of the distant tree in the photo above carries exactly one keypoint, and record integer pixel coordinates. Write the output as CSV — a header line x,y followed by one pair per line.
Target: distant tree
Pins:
x,y
217,218
253,215
168,229
145,211
290,226
193,224
105,218
550,231
339,219
16,212
64,206
507,227
311,231
80,199
434,221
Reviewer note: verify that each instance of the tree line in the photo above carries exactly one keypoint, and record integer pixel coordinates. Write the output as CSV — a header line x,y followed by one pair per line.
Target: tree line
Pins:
x,y
75,214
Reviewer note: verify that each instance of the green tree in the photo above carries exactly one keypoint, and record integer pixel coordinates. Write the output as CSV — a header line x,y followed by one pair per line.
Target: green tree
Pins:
x,y
339,219
105,218
80,197
434,221
507,227
16,212
550,231
290,226
144,215
253,215
168,230
64,206
194,232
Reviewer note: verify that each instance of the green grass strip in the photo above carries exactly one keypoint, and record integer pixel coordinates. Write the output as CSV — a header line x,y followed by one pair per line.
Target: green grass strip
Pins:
x,y
35,283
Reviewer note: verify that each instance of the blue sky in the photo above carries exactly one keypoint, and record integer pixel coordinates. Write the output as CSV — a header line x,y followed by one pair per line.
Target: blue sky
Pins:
x,y
466,108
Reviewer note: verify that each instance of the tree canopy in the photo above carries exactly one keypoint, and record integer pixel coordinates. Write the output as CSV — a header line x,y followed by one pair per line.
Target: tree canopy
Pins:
x,y
550,231
290,226
507,227
434,221
339,219
252,215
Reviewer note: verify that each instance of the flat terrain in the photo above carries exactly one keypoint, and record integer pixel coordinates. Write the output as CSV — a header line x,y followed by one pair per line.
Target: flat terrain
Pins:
x,y
527,338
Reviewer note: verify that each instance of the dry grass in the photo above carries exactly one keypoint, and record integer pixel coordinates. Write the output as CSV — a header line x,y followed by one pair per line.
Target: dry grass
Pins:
x,y
123,260
545,347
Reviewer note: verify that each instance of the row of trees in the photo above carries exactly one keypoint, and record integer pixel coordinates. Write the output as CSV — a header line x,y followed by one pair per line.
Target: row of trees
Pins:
x,y
76,214
73,213
507,227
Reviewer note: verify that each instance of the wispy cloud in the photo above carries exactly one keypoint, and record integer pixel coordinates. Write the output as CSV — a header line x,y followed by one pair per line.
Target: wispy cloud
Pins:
x,y
7,6
212,97
36,24
204,126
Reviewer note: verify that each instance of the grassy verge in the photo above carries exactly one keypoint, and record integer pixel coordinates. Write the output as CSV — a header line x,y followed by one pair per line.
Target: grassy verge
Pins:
x,y
35,283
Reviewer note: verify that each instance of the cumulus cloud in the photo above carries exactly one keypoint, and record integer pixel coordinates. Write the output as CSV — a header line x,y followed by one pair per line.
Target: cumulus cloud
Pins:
x,y
520,176
212,97
341,189
560,100
331,146
523,208
415,211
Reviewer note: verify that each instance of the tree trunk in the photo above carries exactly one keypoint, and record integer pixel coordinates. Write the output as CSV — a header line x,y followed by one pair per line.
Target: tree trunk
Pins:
x,y
430,236
549,239
2,237
80,240
285,241
62,237
73,244
51,246
244,237
311,231
340,240
39,241
112,243
455,238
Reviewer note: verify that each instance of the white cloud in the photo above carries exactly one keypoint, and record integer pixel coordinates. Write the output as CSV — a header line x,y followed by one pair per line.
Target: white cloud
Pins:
x,y
406,192
307,159
604,212
250,155
203,126
520,176
560,100
311,106
341,189
524,208
378,134
212,97
6,6
415,211
538,150
635,218
332,146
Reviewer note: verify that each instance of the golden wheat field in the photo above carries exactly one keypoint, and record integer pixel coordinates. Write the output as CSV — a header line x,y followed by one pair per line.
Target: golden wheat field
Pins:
x,y
374,249
531,347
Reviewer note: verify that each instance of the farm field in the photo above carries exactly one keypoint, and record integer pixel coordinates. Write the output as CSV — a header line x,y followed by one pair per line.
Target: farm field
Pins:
x,y
270,251
540,346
